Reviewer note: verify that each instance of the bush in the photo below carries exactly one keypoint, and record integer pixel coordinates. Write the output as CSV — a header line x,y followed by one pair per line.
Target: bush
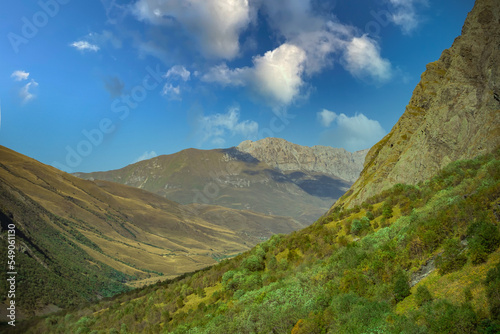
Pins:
x,y
492,283
452,258
253,263
484,239
401,287
423,295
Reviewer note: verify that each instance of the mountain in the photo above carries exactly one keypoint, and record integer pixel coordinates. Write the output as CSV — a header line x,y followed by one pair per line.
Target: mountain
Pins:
x,y
271,176
285,156
411,258
454,112
87,239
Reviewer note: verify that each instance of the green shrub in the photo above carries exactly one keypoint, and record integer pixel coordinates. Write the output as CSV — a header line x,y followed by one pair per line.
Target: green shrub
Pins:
x,y
492,283
423,295
401,287
370,215
452,258
484,239
253,263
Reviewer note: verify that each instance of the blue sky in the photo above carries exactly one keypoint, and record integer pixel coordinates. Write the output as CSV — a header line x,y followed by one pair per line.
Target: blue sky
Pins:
x,y
96,85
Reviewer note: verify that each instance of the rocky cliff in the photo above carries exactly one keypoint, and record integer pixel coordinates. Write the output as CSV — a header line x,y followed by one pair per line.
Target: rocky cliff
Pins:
x,y
454,112
286,156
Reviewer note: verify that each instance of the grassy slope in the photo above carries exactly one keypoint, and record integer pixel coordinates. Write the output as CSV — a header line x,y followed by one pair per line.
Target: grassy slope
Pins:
x,y
211,177
86,239
343,274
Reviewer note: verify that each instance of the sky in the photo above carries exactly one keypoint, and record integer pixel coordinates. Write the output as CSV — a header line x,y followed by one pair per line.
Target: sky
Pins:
x,y
99,84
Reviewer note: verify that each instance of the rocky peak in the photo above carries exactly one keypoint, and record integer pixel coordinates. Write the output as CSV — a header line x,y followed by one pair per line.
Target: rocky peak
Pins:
x,y
454,112
286,156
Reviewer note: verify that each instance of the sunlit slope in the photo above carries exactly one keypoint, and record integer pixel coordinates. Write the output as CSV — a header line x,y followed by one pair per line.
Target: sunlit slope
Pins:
x,y
454,112
127,230
233,179
418,259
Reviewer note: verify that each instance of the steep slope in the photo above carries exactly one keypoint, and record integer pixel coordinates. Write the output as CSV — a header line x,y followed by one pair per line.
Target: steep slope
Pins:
x,y
410,260
89,238
302,189
454,112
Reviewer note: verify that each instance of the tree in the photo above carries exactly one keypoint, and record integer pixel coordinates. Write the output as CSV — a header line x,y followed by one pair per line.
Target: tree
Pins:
x,y
401,287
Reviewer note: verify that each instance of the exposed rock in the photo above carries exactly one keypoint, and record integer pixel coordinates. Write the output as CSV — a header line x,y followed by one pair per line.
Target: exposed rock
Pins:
x,y
454,112
286,156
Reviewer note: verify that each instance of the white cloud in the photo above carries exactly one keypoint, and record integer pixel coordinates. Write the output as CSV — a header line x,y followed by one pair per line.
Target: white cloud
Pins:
x,y
362,58
225,76
276,76
104,38
326,117
20,75
25,93
171,92
146,156
405,14
214,24
84,46
352,133
215,128
178,71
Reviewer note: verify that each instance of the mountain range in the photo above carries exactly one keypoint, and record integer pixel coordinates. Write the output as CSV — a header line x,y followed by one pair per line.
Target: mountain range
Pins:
x,y
71,230
412,247
271,176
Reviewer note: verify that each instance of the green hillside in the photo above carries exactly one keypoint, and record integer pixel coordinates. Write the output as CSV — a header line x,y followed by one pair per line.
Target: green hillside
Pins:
x,y
412,259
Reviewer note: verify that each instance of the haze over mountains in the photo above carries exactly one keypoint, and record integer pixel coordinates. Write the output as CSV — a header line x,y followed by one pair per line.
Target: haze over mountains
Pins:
x,y
270,176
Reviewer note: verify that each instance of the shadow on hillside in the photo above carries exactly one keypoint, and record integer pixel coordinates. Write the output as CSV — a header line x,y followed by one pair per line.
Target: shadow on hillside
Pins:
x,y
236,154
320,185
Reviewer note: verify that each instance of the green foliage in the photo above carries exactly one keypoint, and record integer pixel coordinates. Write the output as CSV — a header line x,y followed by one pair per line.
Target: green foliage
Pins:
x,y
329,283
387,210
484,239
492,283
443,317
453,257
422,295
253,263
401,287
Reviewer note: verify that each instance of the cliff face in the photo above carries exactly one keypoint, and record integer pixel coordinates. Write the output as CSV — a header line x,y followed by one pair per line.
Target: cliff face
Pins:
x,y
454,112
285,156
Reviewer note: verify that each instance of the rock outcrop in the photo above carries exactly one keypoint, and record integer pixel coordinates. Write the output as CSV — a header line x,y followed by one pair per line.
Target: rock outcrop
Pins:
x,y
454,112
286,156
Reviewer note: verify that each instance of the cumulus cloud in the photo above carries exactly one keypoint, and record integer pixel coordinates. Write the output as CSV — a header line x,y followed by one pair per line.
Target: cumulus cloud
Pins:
x,y
178,71
405,14
20,75
214,128
276,76
326,117
85,46
214,24
362,59
352,133
146,156
26,93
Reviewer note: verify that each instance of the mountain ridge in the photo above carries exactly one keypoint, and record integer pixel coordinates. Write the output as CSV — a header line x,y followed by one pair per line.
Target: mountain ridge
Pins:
x,y
460,91
302,189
